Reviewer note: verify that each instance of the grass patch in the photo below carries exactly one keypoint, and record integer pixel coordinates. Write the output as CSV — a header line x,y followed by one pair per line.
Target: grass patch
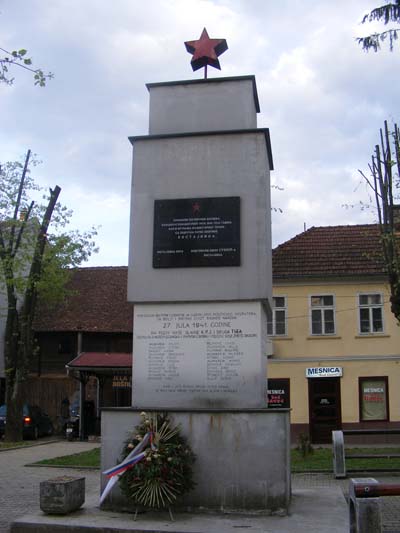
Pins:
x,y
90,458
321,459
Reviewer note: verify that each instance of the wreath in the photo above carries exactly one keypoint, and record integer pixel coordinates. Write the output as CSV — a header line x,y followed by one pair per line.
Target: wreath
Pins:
x,y
164,471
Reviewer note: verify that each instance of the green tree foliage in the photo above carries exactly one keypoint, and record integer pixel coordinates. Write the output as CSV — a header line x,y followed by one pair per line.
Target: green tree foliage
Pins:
x,y
37,253
19,59
388,13
384,180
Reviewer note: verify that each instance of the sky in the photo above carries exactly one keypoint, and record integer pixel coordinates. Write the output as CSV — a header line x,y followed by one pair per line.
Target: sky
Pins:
x,y
322,97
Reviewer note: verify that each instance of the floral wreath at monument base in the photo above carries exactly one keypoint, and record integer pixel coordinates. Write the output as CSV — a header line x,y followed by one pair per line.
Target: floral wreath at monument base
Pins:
x,y
156,463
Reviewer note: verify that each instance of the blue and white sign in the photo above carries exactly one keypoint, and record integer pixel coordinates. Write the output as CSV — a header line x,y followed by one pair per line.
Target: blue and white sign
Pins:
x,y
324,372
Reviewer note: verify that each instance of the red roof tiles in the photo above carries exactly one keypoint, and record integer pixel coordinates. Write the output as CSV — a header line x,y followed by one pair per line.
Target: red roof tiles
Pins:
x,y
97,303
102,360
330,251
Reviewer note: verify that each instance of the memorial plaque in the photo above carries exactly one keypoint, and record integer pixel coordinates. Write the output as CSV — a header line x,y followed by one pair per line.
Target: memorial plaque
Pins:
x,y
199,355
196,232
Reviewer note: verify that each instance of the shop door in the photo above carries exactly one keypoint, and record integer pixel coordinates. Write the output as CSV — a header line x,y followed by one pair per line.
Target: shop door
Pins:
x,y
325,408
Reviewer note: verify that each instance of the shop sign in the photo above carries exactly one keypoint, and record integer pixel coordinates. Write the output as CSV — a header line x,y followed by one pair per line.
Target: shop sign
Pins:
x,y
374,399
324,372
121,382
278,393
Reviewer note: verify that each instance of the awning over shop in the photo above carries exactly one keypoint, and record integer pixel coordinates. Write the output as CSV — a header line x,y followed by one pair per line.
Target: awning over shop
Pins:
x,y
102,365
100,362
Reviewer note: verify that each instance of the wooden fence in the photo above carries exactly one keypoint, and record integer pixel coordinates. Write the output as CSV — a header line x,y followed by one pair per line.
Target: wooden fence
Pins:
x,y
48,393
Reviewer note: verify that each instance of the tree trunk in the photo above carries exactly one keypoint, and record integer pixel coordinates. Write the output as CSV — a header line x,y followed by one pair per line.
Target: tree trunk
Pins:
x,y
18,334
14,394
15,402
385,173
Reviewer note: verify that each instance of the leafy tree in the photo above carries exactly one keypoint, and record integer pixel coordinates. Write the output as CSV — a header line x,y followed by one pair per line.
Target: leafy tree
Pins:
x,y
34,261
388,13
18,58
384,180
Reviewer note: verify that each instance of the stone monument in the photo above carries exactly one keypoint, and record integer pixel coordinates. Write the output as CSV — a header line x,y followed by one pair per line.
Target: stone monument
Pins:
x,y
200,279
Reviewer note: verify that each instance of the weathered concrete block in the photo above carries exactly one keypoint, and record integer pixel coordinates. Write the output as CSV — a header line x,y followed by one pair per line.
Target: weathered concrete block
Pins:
x,y
203,105
364,513
62,495
242,457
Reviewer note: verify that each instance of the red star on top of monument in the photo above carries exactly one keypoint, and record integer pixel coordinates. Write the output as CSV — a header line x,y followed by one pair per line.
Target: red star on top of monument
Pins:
x,y
206,51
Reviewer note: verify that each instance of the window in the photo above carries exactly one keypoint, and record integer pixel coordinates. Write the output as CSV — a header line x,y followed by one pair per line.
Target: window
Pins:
x,y
65,345
370,313
322,315
278,326
374,396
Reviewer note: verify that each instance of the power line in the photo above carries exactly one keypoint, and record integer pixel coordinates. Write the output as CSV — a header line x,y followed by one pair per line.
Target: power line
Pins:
x,y
336,310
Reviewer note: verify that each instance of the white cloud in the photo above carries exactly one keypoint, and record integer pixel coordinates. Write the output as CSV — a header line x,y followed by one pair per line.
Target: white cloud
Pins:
x,y
322,97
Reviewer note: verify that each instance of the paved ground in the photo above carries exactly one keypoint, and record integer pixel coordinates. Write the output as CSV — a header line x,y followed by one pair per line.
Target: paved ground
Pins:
x,y
318,499
390,506
19,485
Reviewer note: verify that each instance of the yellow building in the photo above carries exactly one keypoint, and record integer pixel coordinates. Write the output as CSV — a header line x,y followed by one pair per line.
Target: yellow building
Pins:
x,y
336,350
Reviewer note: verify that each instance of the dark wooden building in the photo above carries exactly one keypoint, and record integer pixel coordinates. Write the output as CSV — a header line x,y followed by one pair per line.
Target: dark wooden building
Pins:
x,y
94,318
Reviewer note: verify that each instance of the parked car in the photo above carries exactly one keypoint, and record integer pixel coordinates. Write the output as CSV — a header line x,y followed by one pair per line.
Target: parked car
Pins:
x,y
36,423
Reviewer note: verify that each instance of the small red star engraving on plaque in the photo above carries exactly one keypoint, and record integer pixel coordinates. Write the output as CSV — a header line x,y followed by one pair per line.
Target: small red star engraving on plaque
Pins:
x,y
196,208
206,51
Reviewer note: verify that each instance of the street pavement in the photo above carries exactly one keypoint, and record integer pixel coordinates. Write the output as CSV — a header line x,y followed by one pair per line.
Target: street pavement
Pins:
x,y
318,503
390,506
19,484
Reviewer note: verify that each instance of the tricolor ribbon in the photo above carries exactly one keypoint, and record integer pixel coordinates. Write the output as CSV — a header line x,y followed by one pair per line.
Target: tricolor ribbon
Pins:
x,y
130,460
122,467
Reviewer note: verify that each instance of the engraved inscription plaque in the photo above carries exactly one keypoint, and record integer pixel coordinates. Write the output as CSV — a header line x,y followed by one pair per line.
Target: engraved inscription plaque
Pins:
x,y
199,355
196,232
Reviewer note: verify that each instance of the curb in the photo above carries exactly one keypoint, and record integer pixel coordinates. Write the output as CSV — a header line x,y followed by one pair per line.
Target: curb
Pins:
x,y
394,472
24,446
71,467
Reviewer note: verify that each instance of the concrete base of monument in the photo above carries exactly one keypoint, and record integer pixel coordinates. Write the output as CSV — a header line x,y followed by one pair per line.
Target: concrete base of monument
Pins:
x,y
242,457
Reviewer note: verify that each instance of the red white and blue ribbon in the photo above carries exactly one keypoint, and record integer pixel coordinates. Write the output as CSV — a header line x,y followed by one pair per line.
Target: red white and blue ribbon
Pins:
x,y
130,460
126,465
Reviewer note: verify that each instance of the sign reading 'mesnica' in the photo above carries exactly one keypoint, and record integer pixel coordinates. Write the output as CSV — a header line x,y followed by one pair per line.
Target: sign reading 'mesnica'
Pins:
x,y
196,232
324,372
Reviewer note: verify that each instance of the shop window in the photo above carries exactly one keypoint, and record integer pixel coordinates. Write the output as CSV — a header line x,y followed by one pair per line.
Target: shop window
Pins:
x,y
370,307
278,325
122,390
322,314
278,392
374,398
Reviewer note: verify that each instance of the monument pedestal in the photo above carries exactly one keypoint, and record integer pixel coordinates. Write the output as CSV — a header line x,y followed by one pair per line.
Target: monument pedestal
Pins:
x,y
242,457
200,278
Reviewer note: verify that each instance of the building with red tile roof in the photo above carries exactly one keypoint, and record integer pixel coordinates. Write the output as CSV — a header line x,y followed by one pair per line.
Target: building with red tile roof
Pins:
x,y
97,302
91,332
336,353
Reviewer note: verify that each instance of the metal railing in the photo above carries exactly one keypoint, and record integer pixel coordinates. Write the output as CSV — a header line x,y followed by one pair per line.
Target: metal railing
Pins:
x,y
338,450
364,504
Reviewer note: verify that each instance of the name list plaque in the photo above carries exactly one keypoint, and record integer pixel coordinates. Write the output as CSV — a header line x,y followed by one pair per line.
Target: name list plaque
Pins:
x,y
198,355
196,232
